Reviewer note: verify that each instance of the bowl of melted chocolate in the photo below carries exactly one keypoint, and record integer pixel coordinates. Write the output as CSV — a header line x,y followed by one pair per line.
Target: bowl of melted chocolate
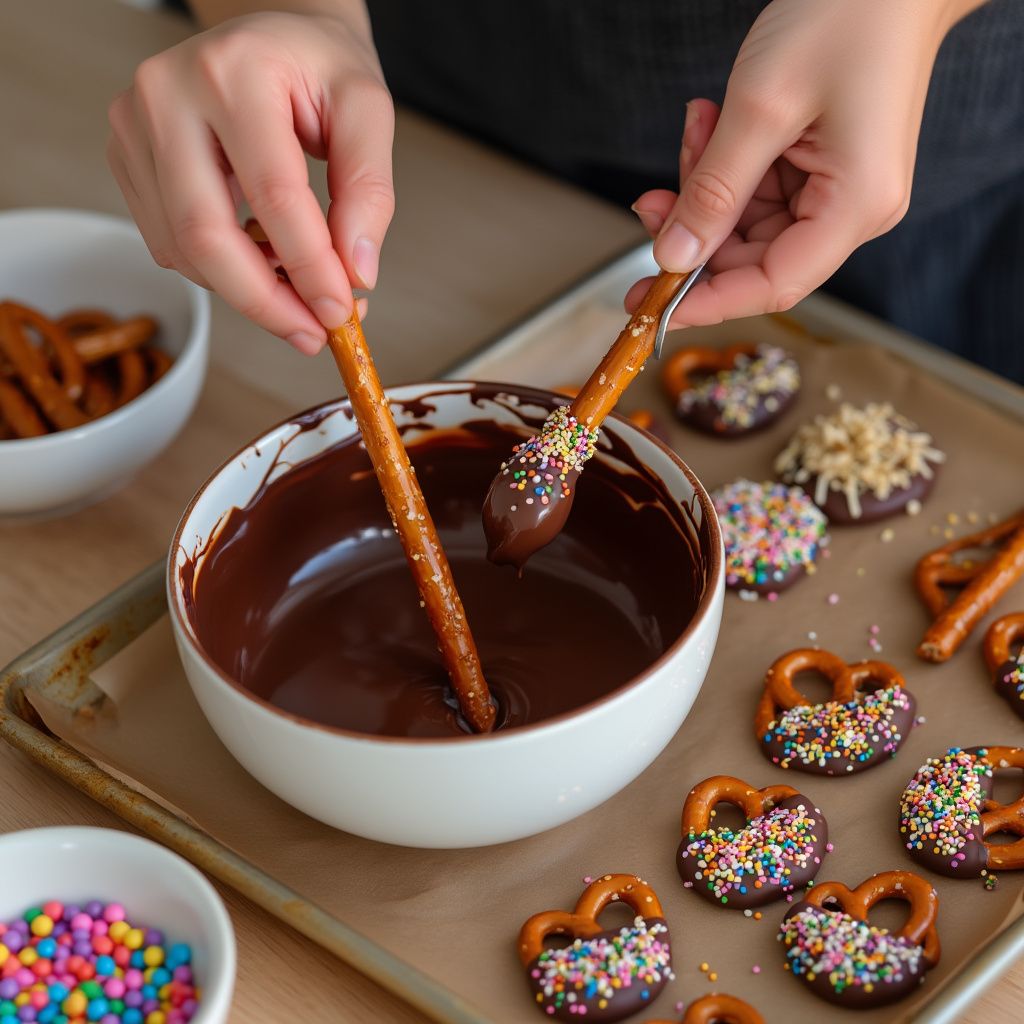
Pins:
x,y
300,628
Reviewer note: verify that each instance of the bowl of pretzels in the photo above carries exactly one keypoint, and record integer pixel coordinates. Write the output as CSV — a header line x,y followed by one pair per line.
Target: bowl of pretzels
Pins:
x,y
102,357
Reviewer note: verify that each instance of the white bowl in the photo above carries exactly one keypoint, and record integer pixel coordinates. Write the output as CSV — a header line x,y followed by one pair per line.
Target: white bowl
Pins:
x,y
451,792
157,887
56,260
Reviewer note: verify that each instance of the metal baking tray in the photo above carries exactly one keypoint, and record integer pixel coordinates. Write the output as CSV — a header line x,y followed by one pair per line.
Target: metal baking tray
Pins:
x,y
62,663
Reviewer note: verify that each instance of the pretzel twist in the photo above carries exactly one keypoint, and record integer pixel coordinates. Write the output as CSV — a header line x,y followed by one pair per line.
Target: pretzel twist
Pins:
x,y
919,927
56,399
781,694
677,375
581,922
999,818
1000,639
719,1008
983,584
726,789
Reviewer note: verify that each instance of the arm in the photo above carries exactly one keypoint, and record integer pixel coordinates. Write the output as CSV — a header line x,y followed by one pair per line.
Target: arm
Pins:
x,y
229,115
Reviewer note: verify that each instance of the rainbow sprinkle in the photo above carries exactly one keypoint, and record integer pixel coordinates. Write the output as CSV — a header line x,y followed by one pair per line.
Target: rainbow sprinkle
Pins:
x,y
737,394
764,853
850,953
941,807
540,466
593,971
821,734
769,529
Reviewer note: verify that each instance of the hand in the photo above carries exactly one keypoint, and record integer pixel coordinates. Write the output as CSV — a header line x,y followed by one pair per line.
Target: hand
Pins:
x,y
226,115
811,155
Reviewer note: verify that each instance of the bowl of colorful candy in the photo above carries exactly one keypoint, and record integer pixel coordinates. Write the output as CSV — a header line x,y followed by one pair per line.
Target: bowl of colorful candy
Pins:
x,y
102,925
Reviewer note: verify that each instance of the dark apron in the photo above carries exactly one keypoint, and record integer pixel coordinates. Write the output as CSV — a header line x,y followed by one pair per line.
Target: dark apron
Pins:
x,y
594,91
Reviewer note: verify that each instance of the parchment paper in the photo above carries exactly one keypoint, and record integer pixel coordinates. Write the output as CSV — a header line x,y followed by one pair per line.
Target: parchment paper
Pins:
x,y
455,915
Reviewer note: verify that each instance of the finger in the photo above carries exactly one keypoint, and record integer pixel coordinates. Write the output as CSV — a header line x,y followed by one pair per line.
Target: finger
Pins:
x,y
268,162
204,225
721,184
360,133
131,163
653,207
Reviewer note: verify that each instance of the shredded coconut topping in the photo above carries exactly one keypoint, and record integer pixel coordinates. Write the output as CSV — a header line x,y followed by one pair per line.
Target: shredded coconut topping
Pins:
x,y
856,450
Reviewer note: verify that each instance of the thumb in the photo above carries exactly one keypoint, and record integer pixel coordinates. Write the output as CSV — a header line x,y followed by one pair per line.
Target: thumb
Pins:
x,y
717,190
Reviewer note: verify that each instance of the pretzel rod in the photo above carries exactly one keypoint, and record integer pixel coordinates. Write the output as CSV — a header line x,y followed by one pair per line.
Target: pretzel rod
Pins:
x,y
529,500
955,622
413,523
626,358
111,340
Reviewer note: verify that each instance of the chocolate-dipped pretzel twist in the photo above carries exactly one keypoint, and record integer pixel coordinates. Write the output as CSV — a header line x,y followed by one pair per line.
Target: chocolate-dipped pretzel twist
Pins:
x,y
717,1008
530,498
606,974
1006,667
413,523
850,733
779,849
846,960
947,813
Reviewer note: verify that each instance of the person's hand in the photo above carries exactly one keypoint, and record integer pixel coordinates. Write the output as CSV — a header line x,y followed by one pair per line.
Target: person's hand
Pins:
x,y
226,115
811,155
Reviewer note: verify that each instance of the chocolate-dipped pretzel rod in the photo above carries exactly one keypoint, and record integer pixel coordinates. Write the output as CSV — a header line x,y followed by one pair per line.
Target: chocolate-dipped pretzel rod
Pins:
x,y
413,523
530,498
983,584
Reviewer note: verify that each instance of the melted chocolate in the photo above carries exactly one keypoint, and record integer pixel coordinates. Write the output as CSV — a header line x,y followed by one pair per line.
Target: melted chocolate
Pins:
x,y
1006,686
305,599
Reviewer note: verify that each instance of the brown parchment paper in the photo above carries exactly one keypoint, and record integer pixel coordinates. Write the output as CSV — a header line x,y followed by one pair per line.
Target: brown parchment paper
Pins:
x,y
456,914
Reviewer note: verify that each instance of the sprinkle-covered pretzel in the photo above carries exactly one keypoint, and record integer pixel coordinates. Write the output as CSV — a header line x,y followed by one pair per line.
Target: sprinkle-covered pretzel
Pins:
x,y
1004,655
731,391
848,961
857,729
606,974
947,813
982,582
642,418
778,850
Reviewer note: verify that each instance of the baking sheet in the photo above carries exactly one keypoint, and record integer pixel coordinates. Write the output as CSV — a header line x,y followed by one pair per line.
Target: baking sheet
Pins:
x,y
455,915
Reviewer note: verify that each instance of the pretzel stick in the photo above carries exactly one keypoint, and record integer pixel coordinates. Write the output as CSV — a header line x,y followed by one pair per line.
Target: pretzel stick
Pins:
x,y
31,366
529,500
965,611
413,523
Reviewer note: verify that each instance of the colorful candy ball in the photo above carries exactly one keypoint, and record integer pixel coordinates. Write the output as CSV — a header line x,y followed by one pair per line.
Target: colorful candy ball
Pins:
x,y
70,964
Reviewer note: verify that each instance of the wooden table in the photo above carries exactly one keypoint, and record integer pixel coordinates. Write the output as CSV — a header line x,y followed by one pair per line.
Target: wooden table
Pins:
x,y
478,241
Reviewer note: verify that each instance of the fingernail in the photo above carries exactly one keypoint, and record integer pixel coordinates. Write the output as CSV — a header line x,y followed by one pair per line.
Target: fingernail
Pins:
x,y
651,221
305,343
365,258
677,249
362,305
330,312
